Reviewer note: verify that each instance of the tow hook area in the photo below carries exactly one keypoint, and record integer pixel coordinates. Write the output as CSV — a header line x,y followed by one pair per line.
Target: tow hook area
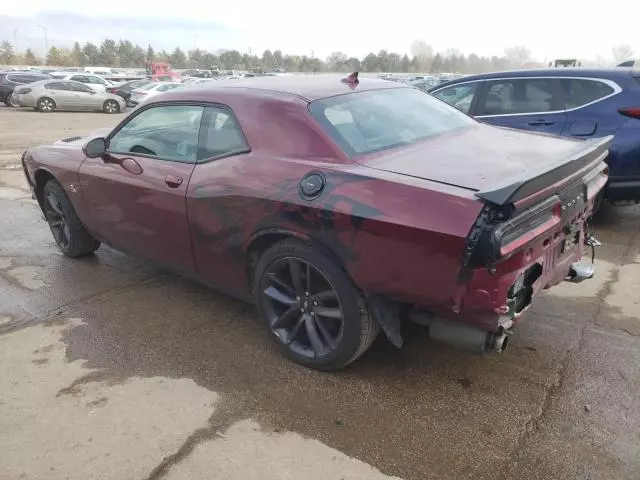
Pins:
x,y
580,271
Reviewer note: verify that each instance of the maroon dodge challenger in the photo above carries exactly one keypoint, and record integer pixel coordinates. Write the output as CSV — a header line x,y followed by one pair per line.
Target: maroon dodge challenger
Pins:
x,y
338,206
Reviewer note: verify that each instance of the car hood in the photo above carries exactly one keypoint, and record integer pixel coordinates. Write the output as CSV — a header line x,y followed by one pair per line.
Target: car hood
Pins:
x,y
82,139
475,158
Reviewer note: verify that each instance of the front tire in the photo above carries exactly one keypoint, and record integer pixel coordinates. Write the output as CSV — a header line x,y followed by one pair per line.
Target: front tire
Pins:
x,y
111,106
46,105
312,309
70,235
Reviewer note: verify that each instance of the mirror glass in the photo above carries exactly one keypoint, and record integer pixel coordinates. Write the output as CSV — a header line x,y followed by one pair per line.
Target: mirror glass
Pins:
x,y
95,148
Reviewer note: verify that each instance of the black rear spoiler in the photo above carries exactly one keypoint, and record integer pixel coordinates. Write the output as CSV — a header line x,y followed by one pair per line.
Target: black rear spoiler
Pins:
x,y
517,188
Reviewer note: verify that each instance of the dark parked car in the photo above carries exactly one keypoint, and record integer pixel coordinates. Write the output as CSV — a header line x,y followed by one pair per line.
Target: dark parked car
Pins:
x,y
337,206
572,102
10,80
124,89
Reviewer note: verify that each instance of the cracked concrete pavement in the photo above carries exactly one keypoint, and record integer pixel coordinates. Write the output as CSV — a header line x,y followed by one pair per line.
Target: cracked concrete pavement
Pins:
x,y
113,368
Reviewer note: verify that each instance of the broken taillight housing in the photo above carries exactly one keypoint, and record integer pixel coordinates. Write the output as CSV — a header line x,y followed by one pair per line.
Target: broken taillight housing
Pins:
x,y
524,227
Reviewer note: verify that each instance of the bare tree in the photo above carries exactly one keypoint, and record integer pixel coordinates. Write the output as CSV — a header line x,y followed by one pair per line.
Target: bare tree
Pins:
x,y
518,55
622,53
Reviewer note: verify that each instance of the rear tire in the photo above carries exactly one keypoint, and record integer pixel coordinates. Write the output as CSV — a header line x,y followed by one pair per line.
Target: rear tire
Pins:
x,y
68,231
328,309
46,105
111,106
10,101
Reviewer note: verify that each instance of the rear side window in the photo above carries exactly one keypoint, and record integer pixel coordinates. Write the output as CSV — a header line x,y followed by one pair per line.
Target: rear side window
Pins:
x,y
221,135
24,78
56,86
367,122
579,92
527,95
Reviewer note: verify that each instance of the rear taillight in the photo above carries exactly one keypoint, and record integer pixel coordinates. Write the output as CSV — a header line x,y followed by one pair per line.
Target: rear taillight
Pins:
x,y
633,112
524,227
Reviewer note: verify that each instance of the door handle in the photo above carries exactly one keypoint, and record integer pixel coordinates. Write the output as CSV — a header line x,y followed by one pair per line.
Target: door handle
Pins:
x,y
173,181
541,122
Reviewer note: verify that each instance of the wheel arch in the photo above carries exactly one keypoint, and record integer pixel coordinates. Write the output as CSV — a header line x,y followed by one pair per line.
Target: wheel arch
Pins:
x,y
263,239
41,177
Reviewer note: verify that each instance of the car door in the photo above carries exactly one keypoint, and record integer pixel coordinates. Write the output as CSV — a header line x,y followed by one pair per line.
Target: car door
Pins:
x,y
525,103
136,193
462,95
63,94
85,97
217,210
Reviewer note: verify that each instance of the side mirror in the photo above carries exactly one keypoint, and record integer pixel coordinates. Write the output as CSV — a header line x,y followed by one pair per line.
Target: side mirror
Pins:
x,y
95,148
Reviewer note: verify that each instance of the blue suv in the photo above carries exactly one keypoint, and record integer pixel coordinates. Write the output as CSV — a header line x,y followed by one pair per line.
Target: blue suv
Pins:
x,y
573,102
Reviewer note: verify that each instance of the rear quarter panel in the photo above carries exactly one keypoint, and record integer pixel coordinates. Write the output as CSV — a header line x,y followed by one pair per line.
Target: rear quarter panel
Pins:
x,y
392,234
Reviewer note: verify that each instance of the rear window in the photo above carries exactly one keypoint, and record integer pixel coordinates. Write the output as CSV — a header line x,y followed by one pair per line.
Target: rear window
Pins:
x,y
579,92
367,122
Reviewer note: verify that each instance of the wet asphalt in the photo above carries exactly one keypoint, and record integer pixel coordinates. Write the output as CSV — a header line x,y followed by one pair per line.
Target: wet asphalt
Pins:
x,y
561,403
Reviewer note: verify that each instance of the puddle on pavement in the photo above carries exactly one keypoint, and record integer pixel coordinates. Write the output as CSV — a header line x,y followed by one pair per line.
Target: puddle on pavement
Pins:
x,y
155,424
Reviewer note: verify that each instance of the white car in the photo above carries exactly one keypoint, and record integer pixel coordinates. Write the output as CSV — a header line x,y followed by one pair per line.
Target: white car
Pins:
x,y
96,82
149,90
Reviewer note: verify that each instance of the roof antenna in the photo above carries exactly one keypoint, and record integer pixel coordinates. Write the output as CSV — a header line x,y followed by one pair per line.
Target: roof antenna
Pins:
x,y
351,80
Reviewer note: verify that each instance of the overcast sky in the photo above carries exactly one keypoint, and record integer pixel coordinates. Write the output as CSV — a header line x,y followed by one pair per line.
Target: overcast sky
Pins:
x,y
549,28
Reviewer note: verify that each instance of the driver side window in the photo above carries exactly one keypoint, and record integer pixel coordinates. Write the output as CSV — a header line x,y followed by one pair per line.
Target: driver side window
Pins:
x,y
167,132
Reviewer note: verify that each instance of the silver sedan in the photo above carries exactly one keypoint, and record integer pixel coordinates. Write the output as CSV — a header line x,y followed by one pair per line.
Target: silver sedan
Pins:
x,y
50,95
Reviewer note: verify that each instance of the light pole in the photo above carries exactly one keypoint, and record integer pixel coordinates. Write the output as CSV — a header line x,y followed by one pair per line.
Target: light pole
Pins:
x,y
15,39
46,44
195,39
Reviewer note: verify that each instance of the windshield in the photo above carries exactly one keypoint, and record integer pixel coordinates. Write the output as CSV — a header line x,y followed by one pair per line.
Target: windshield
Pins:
x,y
367,122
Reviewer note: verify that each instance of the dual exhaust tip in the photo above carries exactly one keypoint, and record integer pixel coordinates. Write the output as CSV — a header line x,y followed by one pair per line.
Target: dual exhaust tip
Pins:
x,y
464,336
469,338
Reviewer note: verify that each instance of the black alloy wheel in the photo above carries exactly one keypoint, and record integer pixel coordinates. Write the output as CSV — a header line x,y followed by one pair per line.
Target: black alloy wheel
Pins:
x,y
310,305
303,307
68,231
56,219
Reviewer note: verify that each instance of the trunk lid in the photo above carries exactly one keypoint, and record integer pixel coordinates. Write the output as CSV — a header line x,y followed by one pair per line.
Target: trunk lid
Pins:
x,y
489,159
